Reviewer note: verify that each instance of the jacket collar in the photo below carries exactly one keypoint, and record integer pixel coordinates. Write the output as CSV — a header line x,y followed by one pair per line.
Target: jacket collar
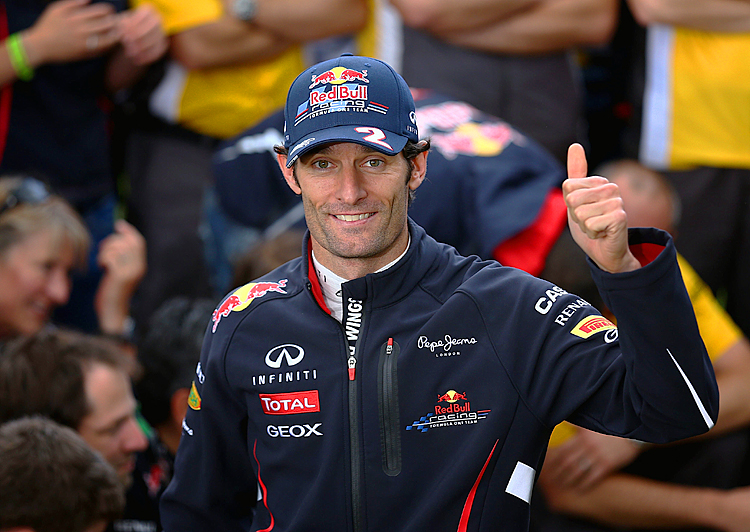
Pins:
x,y
387,286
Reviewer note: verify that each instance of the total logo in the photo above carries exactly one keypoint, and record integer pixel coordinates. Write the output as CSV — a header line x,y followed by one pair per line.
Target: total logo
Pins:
x,y
279,404
242,297
456,412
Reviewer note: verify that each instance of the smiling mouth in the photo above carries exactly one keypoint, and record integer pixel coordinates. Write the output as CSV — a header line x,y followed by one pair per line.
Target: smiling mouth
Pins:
x,y
353,217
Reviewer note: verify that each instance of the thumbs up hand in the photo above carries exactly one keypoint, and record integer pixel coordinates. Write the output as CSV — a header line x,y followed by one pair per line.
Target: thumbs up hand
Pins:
x,y
596,216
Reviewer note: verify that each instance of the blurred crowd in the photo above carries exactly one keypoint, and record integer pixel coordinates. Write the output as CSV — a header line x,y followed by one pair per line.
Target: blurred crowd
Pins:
x,y
138,185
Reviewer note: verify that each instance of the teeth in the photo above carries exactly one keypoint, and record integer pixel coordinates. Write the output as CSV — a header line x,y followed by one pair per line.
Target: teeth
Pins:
x,y
352,217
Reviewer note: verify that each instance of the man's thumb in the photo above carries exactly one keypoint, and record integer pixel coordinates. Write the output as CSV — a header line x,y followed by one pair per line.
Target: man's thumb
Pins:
x,y
577,165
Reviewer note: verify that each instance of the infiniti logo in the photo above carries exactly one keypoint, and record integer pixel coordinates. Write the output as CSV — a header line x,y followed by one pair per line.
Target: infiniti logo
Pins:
x,y
292,353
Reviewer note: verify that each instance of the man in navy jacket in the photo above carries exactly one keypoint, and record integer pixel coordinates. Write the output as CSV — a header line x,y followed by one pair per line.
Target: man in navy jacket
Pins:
x,y
385,382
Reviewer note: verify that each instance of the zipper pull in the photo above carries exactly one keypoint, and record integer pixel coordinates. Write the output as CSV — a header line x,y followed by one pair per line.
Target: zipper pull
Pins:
x,y
389,347
352,362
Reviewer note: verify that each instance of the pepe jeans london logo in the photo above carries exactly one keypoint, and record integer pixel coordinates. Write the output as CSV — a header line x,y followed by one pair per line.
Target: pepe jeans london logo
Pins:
x,y
444,347
291,353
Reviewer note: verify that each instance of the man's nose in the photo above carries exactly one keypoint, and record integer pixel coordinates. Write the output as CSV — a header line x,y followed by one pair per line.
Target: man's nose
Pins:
x,y
351,188
134,439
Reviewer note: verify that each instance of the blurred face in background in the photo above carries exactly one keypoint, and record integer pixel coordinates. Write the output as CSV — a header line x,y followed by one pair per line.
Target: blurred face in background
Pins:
x,y
34,280
111,427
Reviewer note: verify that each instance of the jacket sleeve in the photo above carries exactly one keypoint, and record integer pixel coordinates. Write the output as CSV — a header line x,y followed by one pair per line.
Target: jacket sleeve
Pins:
x,y
670,375
648,378
214,485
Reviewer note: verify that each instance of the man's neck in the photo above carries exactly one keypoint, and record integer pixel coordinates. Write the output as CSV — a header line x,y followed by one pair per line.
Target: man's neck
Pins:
x,y
354,268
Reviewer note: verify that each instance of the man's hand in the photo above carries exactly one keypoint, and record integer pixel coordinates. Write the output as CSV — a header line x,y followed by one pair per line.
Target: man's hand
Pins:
x,y
70,30
142,35
122,256
588,457
596,216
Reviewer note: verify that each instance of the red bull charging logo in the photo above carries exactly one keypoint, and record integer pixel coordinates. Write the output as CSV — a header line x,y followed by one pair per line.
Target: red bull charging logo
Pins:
x,y
339,75
452,397
243,296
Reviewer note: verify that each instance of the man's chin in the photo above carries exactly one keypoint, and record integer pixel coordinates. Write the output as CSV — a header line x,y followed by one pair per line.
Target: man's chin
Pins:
x,y
125,473
126,479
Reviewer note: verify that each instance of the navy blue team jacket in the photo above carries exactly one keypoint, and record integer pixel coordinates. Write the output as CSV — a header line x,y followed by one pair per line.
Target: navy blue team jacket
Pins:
x,y
430,406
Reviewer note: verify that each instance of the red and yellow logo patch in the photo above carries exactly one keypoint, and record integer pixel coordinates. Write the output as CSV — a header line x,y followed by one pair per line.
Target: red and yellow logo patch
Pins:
x,y
592,325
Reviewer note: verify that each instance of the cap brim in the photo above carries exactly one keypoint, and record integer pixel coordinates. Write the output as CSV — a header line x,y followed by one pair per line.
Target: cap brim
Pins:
x,y
381,140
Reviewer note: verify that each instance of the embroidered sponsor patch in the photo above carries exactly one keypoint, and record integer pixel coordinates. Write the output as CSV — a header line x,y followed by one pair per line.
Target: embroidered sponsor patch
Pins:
x,y
242,297
592,325
456,412
279,404
194,399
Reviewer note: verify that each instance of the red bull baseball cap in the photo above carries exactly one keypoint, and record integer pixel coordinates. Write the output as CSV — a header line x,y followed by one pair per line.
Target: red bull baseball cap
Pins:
x,y
349,99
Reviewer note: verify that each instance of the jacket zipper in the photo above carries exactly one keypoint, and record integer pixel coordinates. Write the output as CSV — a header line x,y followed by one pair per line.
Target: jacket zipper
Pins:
x,y
355,445
354,440
390,435
353,325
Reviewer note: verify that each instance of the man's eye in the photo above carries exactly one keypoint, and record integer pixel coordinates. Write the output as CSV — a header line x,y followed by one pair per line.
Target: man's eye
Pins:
x,y
374,163
321,164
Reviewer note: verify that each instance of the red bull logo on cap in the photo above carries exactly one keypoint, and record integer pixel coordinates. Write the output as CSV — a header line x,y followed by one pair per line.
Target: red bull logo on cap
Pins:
x,y
345,84
337,76
243,296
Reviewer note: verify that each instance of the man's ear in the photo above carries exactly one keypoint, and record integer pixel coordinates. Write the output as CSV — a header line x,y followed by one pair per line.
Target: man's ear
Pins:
x,y
288,173
419,170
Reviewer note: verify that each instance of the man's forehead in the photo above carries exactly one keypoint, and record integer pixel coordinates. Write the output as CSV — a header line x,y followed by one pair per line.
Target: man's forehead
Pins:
x,y
107,388
334,147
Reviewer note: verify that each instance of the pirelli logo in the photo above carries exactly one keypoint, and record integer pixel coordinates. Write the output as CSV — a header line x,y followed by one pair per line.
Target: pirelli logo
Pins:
x,y
592,325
